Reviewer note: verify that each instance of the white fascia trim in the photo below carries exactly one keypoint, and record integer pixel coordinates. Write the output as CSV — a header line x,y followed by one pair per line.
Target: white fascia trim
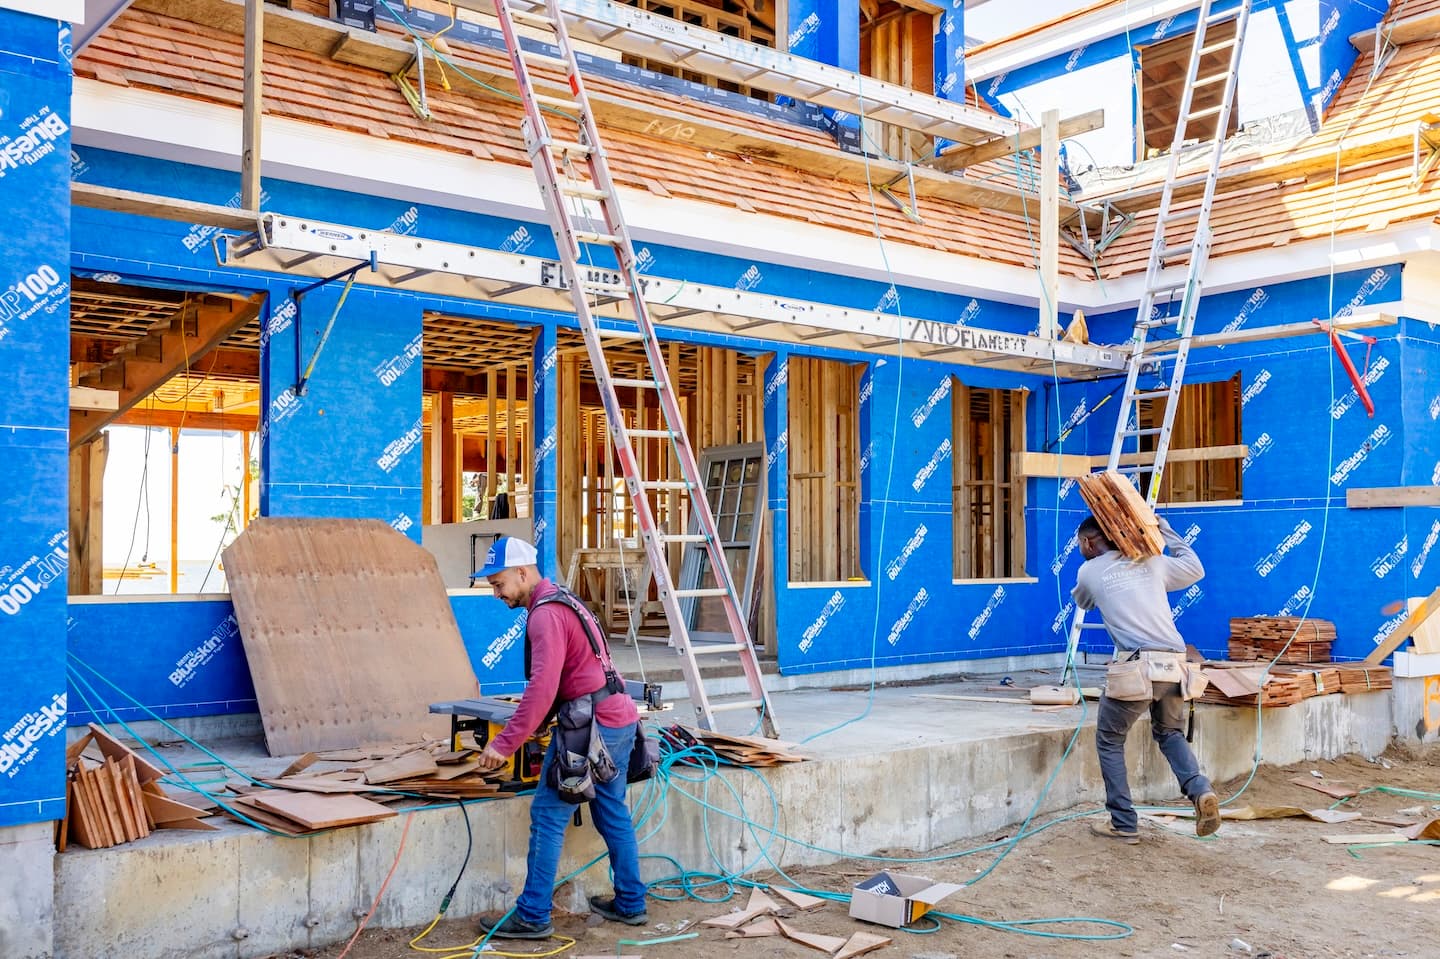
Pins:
x,y
1069,35
1295,261
182,130
71,11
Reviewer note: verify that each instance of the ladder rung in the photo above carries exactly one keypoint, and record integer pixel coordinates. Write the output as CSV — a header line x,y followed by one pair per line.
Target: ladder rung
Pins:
x,y
1214,78
532,19
635,384
699,593
1149,394
570,146
652,434
1217,46
1158,322
1175,252
1092,625
1148,431
663,484
590,236
621,335
583,192
711,648
1180,216
737,704
1207,112
561,103
1141,468
545,59
682,538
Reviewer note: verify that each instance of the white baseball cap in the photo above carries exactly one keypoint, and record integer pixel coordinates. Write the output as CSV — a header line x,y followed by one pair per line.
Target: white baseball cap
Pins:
x,y
507,552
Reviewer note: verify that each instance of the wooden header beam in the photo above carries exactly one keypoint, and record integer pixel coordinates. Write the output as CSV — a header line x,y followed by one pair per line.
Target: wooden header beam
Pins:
x,y
958,158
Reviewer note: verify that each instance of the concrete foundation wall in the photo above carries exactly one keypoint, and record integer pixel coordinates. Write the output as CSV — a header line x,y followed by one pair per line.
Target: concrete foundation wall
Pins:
x,y
243,894
27,895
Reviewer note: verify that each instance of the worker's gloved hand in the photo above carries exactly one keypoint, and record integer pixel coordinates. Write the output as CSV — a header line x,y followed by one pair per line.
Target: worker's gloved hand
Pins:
x,y
490,759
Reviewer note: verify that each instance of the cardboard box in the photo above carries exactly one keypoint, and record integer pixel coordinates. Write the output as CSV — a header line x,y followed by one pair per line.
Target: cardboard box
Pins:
x,y
893,899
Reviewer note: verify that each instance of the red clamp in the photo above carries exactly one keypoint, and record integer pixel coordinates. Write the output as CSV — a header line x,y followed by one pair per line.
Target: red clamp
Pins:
x,y
1356,379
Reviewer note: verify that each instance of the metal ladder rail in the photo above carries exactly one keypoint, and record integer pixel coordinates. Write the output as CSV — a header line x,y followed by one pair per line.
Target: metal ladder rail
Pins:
x,y
569,235
1197,252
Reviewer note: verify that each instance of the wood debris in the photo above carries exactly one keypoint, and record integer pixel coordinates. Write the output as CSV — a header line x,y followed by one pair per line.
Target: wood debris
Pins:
x,y
1333,791
826,944
1266,637
801,901
861,943
118,800
1251,684
755,751
1123,514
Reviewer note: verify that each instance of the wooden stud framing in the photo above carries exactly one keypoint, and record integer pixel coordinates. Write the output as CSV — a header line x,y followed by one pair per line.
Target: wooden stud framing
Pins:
x,y
824,488
1049,222
988,491
87,480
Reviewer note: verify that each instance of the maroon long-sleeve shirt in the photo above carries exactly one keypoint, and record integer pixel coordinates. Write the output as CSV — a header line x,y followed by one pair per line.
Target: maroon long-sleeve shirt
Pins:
x,y
563,667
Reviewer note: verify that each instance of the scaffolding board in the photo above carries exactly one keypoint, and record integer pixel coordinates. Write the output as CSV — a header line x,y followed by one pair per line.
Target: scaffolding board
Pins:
x,y
309,248
666,40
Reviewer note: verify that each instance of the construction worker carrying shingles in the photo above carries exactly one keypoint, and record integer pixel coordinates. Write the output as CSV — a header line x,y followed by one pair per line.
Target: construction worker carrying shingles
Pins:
x,y
1148,671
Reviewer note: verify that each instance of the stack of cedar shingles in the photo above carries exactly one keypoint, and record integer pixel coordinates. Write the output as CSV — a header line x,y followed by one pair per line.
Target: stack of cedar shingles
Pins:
x,y
1359,678
747,750
1239,684
116,799
1263,638
1123,514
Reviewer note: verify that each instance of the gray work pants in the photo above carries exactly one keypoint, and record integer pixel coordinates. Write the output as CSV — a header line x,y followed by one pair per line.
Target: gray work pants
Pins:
x,y
1167,725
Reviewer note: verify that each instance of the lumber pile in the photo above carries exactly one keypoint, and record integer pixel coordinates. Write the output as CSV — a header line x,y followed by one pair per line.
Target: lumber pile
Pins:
x,y
1360,678
1123,514
292,813
1263,638
117,797
1248,684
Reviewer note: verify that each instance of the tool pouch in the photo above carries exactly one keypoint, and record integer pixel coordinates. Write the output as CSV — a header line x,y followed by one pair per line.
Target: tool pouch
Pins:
x,y
1195,682
581,759
1129,681
644,757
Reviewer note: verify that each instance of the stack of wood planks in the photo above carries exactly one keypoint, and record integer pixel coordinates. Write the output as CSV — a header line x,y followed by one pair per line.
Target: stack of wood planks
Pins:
x,y
1360,678
1123,514
116,798
304,813
1264,638
748,750
1248,684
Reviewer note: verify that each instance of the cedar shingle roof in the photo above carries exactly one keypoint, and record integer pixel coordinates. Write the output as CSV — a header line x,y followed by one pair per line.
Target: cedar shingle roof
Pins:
x,y
158,52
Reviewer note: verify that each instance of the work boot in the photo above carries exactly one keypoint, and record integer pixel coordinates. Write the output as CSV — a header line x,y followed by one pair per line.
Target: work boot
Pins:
x,y
605,906
1207,814
1109,831
513,927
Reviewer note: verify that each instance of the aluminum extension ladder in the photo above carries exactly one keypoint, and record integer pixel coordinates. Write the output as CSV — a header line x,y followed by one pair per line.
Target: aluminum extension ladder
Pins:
x,y
578,233
1196,253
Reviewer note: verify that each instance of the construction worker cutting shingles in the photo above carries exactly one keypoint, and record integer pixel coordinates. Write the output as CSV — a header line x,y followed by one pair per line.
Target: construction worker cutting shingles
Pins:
x,y
562,666
1148,671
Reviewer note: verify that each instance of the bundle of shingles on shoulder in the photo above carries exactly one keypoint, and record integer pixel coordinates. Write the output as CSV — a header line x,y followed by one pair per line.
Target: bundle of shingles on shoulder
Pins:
x,y
113,795
1123,514
347,787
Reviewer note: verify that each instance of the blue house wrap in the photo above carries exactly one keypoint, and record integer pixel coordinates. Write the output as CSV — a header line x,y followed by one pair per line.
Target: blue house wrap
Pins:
x,y
348,442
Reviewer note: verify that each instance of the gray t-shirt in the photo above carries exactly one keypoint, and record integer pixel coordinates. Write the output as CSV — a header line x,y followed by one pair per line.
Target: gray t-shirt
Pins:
x,y
1131,594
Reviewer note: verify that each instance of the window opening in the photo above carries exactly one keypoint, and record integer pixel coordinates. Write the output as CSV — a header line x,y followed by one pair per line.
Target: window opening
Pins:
x,y
1209,415
824,452
1163,68
988,493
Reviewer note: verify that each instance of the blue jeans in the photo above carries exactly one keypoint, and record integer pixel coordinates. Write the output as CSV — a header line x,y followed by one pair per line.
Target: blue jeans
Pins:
x,y
549,815
1167,720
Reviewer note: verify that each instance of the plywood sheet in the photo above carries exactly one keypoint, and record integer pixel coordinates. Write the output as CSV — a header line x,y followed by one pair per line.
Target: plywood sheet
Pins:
x,y
348,631
314,811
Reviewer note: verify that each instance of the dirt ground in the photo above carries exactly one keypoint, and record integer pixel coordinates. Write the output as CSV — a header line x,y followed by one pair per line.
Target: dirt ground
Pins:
x,y
1269,888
